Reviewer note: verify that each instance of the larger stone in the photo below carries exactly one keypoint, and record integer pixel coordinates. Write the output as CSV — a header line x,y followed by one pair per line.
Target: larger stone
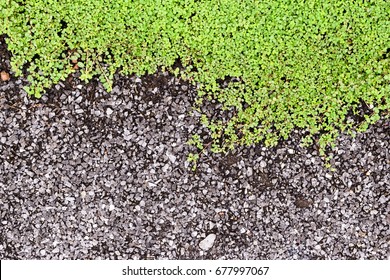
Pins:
x,y
208,242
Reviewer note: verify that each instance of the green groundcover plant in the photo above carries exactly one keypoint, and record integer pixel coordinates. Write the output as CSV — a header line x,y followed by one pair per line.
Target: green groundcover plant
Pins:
x,y
295,64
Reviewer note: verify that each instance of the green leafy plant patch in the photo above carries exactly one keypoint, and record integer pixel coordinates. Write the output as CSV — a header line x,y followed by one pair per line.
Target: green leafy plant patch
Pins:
x,y
295,64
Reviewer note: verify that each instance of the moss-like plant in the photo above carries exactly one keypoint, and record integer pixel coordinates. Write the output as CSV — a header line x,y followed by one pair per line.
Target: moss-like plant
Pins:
x,y
297,64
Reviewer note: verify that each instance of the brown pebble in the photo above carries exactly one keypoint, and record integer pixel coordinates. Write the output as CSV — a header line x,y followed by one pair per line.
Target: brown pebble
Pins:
x,y
4,76
303,203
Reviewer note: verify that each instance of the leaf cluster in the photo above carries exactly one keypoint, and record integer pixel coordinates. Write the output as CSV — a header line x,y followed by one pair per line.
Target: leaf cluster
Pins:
x,y
297,64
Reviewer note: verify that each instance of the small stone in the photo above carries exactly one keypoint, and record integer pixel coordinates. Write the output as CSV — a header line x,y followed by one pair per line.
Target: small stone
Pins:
x,y
127,137
165,168
263,164
171,157
109,111
252,197
142,143
4,76
383,199
42,252
208,242
318,238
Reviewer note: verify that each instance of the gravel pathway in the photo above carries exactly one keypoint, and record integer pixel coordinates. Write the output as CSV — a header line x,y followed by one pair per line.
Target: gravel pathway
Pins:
x,y
90,175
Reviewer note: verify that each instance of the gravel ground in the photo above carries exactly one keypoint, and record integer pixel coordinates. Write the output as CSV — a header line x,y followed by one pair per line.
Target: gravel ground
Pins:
x,y
90,175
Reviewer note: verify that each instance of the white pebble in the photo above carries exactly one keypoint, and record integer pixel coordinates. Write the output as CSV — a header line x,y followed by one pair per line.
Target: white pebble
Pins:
x,y
171,157
252,197
109,111
208,242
